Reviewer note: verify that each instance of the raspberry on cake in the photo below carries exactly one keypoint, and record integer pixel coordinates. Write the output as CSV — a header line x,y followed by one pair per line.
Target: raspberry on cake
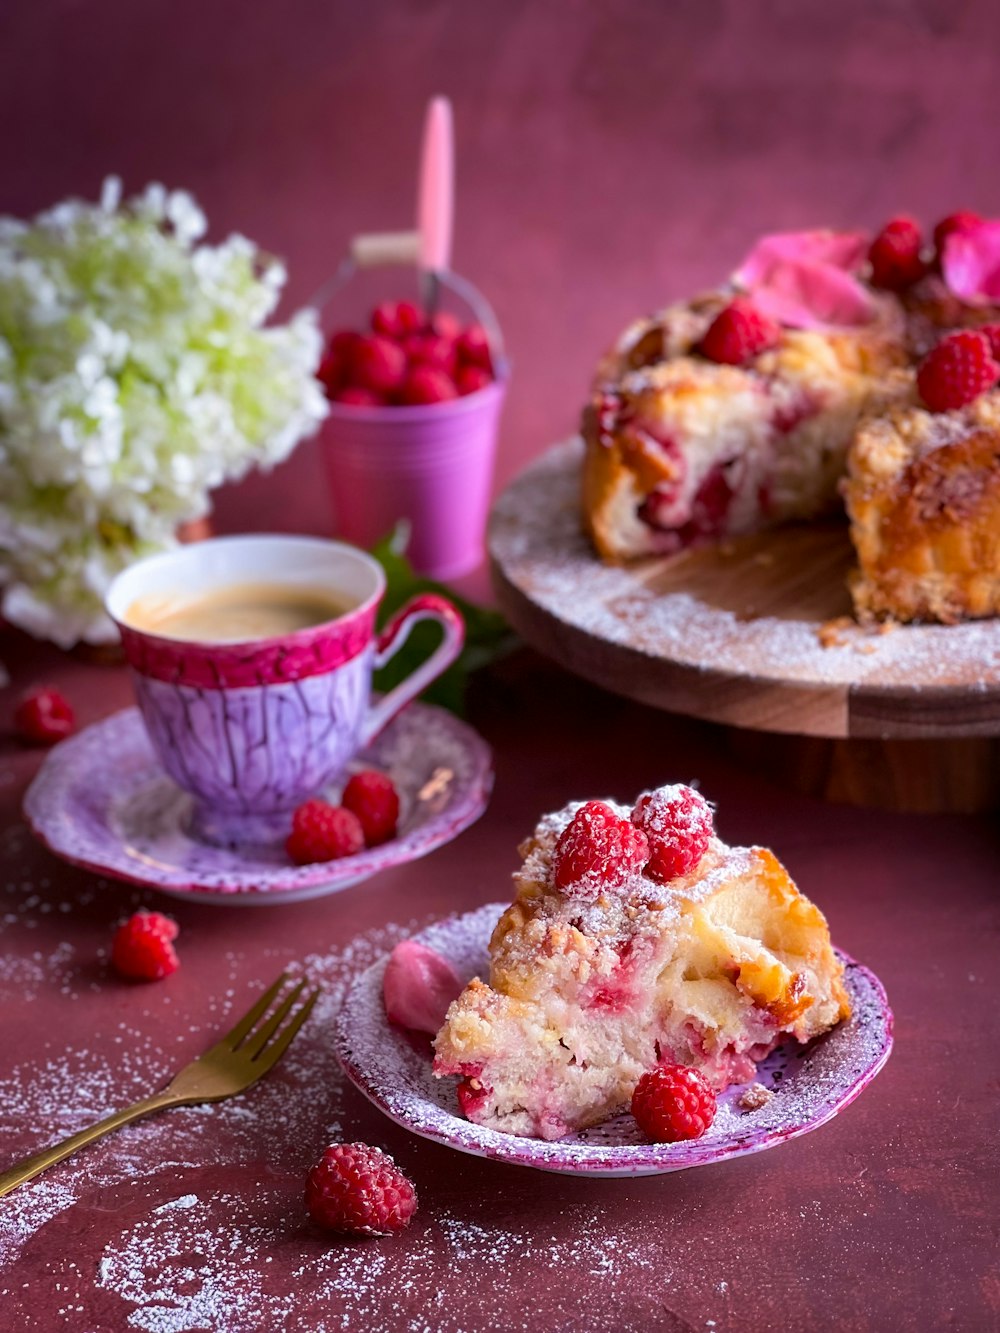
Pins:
x,y
709,970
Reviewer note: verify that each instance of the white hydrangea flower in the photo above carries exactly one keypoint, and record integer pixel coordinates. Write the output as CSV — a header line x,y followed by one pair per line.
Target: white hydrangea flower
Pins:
x,y
136,374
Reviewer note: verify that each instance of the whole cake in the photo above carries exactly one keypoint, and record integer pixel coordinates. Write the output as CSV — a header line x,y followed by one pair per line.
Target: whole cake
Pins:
x,y
748,407
636,939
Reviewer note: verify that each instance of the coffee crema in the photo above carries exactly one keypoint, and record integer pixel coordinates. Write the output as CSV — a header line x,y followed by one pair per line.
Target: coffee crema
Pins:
x,y
237,612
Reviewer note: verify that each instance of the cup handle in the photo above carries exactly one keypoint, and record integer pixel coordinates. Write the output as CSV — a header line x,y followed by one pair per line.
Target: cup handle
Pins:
x,y
428,606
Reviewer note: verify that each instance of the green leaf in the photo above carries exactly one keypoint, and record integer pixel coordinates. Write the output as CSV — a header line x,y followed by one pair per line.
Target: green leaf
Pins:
x,y
487,634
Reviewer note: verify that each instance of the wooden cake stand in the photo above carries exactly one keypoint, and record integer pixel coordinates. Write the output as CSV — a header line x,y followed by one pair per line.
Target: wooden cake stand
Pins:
x,y
757,634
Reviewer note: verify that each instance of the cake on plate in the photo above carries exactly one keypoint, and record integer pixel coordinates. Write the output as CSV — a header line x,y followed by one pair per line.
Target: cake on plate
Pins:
x,y
636,938
747,407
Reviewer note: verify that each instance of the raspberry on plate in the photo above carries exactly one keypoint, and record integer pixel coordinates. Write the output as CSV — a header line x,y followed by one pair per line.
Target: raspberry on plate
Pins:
x,y
323,832
738,333
378,364
678,825
359,1190
427,384
957,370
673,1102
895,255
143,950
598,851
43,717
372,796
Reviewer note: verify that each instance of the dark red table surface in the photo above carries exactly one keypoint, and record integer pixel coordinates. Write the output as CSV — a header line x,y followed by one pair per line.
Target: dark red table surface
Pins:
x,y
610,156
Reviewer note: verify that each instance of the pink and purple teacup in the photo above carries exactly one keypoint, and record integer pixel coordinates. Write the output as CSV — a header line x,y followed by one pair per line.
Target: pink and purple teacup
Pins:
x,y
252,728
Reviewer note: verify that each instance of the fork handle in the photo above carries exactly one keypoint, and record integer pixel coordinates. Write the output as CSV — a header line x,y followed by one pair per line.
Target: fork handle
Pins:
x,y
31,1166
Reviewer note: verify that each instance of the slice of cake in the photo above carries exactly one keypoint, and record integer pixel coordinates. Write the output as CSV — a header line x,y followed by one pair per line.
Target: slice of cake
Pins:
x,y
711,421
635,938
923,493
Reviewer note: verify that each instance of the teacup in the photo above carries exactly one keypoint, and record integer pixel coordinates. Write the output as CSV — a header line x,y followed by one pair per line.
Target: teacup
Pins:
x,y
252,729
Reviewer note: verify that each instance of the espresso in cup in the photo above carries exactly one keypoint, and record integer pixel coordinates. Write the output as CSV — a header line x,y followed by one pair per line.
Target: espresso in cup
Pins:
x,y
252,661
237,612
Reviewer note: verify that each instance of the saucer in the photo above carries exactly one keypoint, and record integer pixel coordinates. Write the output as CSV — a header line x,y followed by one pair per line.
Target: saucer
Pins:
x,y
810,1084
101,801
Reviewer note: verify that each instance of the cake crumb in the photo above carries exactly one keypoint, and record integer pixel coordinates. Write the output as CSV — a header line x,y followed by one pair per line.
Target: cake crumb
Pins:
x,y
831,633
755,1097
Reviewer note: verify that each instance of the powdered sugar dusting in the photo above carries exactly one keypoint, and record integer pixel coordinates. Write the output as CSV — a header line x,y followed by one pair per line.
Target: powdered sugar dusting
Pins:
x,y
537,539
811,1083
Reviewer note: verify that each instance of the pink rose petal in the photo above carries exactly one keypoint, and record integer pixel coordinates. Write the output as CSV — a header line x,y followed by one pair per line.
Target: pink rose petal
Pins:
x,y
418,987
841,249
804,280
806,295
971,263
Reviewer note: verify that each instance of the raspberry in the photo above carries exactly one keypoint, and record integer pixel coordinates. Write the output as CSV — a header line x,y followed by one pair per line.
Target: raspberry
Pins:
x,y
895,255
964,220
354,396
359,1191
429,349
673,1102
598,850
991,332
323,832
142,949
445,325
395,319
427,384
43,717
738,333
678,825
473,347
957,370
378,364
335,368
373,798
470,379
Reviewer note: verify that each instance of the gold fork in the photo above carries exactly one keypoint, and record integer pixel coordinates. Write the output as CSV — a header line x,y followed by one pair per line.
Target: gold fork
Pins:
x,y
232,1065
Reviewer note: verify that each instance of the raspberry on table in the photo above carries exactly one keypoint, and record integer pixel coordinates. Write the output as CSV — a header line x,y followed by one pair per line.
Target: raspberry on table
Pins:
x,y
43,716
957,370
378,364
359,1190
678,825
672,1103
143,950
738,333
895,255
373,798
427,384
963,220
323,832
598,850
991,332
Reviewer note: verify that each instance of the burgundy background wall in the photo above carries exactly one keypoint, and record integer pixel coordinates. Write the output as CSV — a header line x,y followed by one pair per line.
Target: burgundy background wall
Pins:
x,y
610,154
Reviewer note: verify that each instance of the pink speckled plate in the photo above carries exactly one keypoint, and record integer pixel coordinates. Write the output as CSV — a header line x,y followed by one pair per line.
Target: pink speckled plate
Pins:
x,y
102,801
810,1084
